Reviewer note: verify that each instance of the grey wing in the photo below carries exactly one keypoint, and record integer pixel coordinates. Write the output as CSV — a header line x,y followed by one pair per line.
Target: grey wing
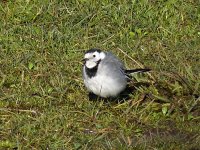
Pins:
x,y
113,59
113,64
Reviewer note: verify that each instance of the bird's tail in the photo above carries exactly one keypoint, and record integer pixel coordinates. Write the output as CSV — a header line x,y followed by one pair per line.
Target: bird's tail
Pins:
x,y
137,70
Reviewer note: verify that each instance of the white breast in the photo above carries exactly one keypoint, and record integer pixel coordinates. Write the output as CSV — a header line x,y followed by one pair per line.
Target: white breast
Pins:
x,y
105,86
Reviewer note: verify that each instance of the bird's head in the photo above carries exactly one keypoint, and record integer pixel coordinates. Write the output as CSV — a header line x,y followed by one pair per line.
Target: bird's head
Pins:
x,y
93,57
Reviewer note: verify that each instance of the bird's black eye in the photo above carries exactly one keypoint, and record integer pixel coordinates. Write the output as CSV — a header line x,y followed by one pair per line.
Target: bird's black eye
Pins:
x,y
94,55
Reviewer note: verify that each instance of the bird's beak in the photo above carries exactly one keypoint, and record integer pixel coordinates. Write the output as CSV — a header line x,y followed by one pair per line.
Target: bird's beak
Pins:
x,y
84,60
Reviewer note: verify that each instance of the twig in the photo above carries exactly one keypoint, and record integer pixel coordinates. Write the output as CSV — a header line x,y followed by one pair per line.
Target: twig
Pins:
x,y
20,110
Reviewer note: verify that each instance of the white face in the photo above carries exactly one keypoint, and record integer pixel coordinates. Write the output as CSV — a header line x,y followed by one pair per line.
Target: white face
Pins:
x,y
92,58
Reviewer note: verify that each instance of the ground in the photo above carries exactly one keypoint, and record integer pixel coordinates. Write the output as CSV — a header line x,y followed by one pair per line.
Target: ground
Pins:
x,y
43,101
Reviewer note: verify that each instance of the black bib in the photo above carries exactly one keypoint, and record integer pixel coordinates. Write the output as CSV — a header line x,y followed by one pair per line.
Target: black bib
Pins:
x,y
91,72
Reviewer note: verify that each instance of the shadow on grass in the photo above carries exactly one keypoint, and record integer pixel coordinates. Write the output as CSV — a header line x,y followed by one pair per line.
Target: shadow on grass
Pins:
x,y
160,136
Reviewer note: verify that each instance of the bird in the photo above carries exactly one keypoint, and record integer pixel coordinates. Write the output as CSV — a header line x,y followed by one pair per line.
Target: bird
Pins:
x,y
104,74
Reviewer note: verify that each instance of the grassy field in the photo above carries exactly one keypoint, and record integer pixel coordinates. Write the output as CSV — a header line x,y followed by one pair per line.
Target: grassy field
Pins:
x,y
43,102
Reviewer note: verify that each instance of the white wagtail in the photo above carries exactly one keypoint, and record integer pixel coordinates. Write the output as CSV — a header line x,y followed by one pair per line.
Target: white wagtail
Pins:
x,y
104,74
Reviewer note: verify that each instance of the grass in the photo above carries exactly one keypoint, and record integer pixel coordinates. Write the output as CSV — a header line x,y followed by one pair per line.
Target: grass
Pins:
x,y
43,102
